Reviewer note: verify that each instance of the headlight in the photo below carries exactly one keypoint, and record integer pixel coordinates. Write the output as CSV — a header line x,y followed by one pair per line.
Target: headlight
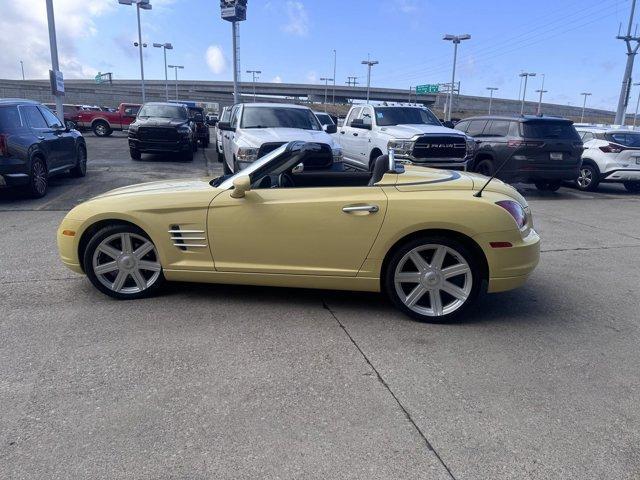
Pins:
x,y
516,211
401,147
247,154
184,131
471,146
337,155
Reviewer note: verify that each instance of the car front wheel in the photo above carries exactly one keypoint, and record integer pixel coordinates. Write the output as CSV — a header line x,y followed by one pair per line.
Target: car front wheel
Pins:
x,y
433,278
122,262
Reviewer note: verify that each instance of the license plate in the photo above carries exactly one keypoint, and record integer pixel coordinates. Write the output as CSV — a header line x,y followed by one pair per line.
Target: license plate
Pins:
x,y
555,155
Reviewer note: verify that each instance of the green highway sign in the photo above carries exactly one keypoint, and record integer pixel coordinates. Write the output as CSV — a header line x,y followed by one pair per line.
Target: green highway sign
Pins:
x,y
425,89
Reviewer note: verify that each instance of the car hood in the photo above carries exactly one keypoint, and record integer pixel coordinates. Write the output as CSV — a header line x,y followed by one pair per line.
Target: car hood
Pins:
x,y
408,131
161,187
254,137
159,122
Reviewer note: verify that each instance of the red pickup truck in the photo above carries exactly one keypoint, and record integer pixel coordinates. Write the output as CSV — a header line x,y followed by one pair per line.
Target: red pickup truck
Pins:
x,y
104,123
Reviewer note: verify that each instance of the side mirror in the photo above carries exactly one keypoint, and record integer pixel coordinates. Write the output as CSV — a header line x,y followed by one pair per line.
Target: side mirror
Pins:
x,y
198,118
241,185
448,124
331,128
225,126
299,168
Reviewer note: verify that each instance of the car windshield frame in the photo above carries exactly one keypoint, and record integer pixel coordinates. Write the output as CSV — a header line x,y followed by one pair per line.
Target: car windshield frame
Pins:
x,y
175,108
314,122
259,164
390,123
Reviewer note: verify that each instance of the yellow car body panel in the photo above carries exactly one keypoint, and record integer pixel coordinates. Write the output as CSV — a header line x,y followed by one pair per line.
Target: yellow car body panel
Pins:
x,y
301,237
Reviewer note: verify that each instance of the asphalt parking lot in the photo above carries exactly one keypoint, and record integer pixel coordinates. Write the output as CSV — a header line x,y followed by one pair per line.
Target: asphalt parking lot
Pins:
x,y
243,382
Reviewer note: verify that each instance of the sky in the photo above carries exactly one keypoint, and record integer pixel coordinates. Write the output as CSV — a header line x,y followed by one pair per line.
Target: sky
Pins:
x,y
571,41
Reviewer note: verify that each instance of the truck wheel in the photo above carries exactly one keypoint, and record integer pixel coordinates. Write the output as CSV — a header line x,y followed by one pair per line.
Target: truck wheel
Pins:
x,y
102,129
188,156
484,167
80,170
135,154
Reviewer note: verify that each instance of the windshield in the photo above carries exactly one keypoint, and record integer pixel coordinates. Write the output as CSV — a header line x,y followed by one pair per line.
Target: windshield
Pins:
x,y
225,182
279,117
627,139
163,111
550,129
386,116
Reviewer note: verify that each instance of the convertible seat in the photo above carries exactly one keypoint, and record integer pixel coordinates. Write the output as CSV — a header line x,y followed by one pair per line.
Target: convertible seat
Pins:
x,y
380,167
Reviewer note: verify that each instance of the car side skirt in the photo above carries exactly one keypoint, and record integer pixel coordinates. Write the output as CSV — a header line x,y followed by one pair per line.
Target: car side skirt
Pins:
x,y
363,284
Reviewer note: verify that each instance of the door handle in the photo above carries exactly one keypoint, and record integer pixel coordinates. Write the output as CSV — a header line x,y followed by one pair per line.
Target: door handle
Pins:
x,y
342,132
360,208
355,134
40,137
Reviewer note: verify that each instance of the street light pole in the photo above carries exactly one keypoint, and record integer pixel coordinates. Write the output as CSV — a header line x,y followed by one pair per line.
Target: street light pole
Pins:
x,y
165,47
326,88
176,67
491,90
584,105
55,66
140,5
335,56
541,91
254,75
626,79
22,68
526,76
456,39
369,64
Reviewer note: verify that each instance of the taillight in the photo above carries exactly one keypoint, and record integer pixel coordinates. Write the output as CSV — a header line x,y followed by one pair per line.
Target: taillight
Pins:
x,y
612,148
4,150
524,143
515,210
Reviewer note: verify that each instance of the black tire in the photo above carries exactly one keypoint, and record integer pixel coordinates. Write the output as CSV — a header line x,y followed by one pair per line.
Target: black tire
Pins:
x,y
589,178
484,167
188,155
80,170
135,154
38,178
101,129
88,256
632,187
474,275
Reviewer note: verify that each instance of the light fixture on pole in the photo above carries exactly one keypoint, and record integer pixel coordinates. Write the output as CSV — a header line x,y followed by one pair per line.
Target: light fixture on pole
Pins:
x,y
326,81
491,90
541,91
369,64
176,67
140,5
335,57
254,75
584,104
165,47
235,11
526,76
456,39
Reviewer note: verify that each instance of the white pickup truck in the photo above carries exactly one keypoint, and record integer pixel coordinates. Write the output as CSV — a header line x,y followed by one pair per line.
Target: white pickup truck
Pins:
x,y
414,132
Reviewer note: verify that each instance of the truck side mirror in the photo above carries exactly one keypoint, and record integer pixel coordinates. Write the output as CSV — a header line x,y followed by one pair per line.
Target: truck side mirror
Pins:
x,y
331,128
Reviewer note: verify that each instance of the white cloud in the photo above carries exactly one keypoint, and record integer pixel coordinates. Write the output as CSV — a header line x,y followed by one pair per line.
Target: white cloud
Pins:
x,y
215,59
297,19
276,79
312,77
24,36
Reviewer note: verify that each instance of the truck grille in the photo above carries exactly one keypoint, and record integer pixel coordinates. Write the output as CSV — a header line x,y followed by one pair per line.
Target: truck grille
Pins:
x,y
445,147
268,147
158,134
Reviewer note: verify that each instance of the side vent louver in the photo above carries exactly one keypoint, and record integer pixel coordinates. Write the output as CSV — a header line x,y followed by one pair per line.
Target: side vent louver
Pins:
x,y
186,239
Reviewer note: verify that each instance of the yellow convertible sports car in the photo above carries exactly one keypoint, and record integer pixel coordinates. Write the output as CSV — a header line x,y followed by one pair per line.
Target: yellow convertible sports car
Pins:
x,y
431,239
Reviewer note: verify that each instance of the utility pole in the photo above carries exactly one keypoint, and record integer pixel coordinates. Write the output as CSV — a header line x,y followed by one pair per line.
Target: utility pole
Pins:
x,y
22,68
491,90
626,79
165,47
235,11
326,87
526,76
140,5
335,57
55,66
410,91
637,105
541,91
456,39
254,76
369,63
176,68
352,81
584,105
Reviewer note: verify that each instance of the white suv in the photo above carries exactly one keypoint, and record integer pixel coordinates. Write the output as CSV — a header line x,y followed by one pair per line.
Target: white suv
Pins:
x,y
256,129
610,155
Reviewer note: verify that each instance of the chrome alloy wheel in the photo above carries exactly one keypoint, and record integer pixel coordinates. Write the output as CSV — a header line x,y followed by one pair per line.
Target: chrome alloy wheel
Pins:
x,y
39,177
585,178
433,280
126,263
101,129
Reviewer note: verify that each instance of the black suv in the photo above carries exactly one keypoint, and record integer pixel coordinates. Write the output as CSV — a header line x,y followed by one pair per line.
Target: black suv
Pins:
x,y
540,150
163,128
35,145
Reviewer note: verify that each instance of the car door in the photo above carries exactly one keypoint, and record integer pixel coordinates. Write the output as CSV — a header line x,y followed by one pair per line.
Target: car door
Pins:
x,y
347,139
227,136
363,136
310,231
65,143
47,140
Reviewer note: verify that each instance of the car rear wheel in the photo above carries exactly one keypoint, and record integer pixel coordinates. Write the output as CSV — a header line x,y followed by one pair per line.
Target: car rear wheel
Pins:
x,y
588,178
80,170
135,154
38,178
433,278
102,129
633,187
484,167
122,262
